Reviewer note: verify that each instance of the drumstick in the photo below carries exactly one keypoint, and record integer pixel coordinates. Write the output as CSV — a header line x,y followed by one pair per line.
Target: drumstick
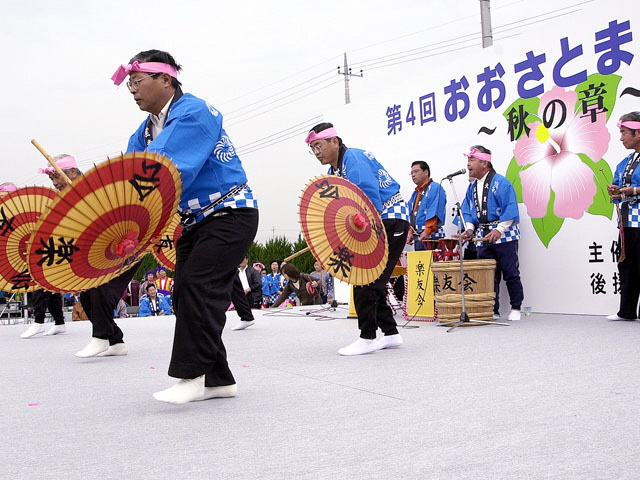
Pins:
x,y
52,162
480,239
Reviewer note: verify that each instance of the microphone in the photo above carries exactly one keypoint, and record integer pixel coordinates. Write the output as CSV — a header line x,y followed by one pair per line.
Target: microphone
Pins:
x,y
459,172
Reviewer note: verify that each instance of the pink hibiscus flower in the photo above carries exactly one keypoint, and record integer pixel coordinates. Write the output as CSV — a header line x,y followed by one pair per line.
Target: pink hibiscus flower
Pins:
x,y
553,156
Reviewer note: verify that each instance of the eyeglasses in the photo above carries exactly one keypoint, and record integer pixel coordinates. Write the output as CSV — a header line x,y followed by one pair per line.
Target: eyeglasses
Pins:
x,y
315,149
135,84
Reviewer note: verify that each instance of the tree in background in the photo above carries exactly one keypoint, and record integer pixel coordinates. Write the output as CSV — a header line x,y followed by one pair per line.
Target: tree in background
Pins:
x,y
279,248
276,248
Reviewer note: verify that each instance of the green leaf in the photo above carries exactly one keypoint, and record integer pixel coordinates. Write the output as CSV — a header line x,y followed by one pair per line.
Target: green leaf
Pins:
x,y
607,86
512,113
548,226
513,175
602,176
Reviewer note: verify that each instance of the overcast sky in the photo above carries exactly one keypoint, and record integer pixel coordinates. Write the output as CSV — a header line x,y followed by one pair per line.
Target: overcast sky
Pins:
x,y
268,66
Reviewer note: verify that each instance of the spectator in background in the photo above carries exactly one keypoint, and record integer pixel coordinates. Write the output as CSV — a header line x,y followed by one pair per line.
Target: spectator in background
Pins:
x,y
153,303
259,267
70,299
247,282
164,283
251,283
149,277
298,284
272,288
132,294
121,309
325,283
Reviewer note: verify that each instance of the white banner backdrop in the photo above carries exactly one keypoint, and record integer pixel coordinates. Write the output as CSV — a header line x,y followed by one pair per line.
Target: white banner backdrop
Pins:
x,y
557,87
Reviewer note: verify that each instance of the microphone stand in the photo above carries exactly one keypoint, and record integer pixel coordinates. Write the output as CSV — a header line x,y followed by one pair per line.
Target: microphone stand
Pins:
x,y
464,317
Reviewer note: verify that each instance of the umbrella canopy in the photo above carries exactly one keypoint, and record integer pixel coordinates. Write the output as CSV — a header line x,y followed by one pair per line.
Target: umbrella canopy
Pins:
x,y
343,230
99,226
165,247
19,213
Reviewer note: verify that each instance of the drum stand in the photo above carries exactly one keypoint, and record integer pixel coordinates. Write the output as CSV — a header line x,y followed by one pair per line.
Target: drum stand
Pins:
x,y
464,317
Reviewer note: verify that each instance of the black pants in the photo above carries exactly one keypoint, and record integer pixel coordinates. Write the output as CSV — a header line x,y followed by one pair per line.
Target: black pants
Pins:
x,y
43,300
371,300
629,271
241,300
507,267
208,255
99,303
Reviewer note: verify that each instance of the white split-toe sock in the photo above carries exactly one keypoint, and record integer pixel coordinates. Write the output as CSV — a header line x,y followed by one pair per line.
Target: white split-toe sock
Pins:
x,y
95,347
33,330
56,330
617,318
359,347
193,390
223,391
514,315
115,350
389,341
243,324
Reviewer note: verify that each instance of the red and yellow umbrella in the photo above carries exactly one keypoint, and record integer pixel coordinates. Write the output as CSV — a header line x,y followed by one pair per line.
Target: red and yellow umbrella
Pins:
x,y
19,213
99,226
164,250
343,230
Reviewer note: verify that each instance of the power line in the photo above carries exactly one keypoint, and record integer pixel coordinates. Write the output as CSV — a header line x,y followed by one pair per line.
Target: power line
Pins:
x,y
282,92
416,53
241,113
305,122
253,114
289,93
293,131
444,52
278,81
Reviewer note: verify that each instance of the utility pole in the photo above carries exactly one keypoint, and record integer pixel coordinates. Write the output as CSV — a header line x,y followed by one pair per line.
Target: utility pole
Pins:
x,y
347,74
485,20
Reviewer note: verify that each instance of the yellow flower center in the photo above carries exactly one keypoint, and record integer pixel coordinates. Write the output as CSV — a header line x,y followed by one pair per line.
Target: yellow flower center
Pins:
x,y
544,136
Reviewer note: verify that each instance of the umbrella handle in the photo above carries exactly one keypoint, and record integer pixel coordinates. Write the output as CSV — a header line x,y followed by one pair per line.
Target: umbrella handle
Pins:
x,y
51,161
299,252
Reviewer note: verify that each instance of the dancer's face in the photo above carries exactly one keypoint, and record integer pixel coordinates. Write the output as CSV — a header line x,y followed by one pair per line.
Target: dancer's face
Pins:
x,y
629,140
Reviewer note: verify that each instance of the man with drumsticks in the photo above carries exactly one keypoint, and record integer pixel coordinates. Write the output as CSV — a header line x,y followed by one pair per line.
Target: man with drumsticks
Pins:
x,y
362,168
490,210
428,205
625,192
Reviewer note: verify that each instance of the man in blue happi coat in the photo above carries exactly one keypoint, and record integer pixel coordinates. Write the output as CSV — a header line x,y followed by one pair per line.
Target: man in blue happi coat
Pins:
x,y
624,191
490,210
363,169
428,204
219,213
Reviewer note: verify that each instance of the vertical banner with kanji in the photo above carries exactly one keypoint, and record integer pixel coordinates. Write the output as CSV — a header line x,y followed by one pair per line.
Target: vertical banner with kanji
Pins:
x,y
420,301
